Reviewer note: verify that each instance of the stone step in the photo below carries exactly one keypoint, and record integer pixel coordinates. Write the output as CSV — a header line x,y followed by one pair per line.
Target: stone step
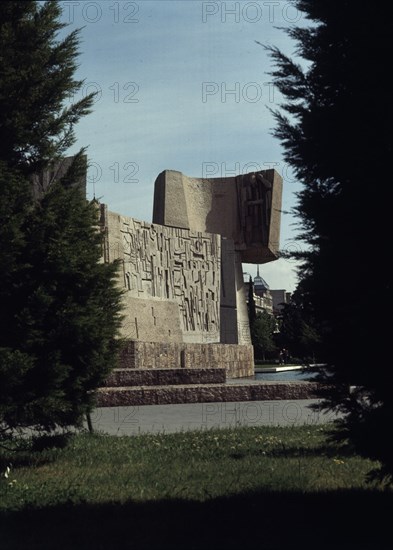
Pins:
x,y
165,377
204,393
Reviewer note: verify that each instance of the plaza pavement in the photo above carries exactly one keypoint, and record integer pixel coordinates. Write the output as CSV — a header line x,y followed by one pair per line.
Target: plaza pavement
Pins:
x,y
202,416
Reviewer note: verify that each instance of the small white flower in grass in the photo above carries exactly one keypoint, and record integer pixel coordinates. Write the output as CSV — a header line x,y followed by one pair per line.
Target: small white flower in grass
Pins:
x,y
7,472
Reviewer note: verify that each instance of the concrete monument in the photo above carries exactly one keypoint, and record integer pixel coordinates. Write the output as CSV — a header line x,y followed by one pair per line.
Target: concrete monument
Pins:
x,y
182,274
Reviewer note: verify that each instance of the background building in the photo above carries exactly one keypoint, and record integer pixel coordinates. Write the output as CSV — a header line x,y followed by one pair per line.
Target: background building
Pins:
x,y
280,298
271,301
262,296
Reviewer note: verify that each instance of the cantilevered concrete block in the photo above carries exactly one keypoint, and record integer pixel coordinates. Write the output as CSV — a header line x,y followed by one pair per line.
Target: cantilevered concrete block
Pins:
x,y
246,209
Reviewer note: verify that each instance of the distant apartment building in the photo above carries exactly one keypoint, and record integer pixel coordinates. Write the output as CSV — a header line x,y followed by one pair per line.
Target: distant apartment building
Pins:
x,y
280,298
271,301
262,296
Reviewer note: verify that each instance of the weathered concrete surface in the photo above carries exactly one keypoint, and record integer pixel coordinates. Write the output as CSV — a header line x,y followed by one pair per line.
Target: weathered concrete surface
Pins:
x,y
213,393
244,208
171,279
245,211
182,274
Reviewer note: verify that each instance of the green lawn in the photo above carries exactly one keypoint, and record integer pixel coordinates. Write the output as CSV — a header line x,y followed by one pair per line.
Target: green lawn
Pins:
x,y
238,488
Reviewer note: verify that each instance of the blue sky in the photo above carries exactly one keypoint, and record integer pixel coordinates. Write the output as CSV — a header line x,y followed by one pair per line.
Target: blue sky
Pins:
x,y
182,85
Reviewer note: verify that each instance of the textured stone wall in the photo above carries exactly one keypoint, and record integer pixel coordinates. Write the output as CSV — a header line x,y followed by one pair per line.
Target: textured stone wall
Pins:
x,y
205,393
244,210
165,377
171,277
238,361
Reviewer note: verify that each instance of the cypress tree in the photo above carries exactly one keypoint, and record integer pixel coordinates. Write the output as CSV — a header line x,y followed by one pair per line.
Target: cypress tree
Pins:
x,y
66,314
37,83
60,305
335,127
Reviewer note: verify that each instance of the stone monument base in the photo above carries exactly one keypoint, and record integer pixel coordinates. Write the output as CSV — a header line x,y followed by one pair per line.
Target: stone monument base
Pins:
x,y
158,392
156,373
237,360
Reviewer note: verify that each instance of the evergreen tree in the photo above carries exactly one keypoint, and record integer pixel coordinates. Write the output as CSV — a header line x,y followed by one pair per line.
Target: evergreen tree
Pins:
x,y
262,326
335,127
298,330
63,318
60,305
262,336
15,201
37,117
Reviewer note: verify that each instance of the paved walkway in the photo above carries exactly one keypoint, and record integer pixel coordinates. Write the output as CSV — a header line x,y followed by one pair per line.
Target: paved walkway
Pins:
x,y
201,416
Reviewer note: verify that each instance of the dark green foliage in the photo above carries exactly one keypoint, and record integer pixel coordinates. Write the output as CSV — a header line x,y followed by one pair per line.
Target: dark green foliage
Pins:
x,y
337,137
61,317
297,330
262,326
36,77
262,336
15,202
60,305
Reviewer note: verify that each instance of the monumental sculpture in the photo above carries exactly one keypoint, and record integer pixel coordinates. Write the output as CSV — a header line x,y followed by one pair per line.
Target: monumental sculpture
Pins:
x,y
184,297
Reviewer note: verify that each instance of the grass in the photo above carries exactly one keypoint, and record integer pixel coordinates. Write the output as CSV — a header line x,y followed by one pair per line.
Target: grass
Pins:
x,y
208,489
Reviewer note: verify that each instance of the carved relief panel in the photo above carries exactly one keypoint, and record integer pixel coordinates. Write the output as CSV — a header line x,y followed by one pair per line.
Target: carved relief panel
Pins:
x,y
174,264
